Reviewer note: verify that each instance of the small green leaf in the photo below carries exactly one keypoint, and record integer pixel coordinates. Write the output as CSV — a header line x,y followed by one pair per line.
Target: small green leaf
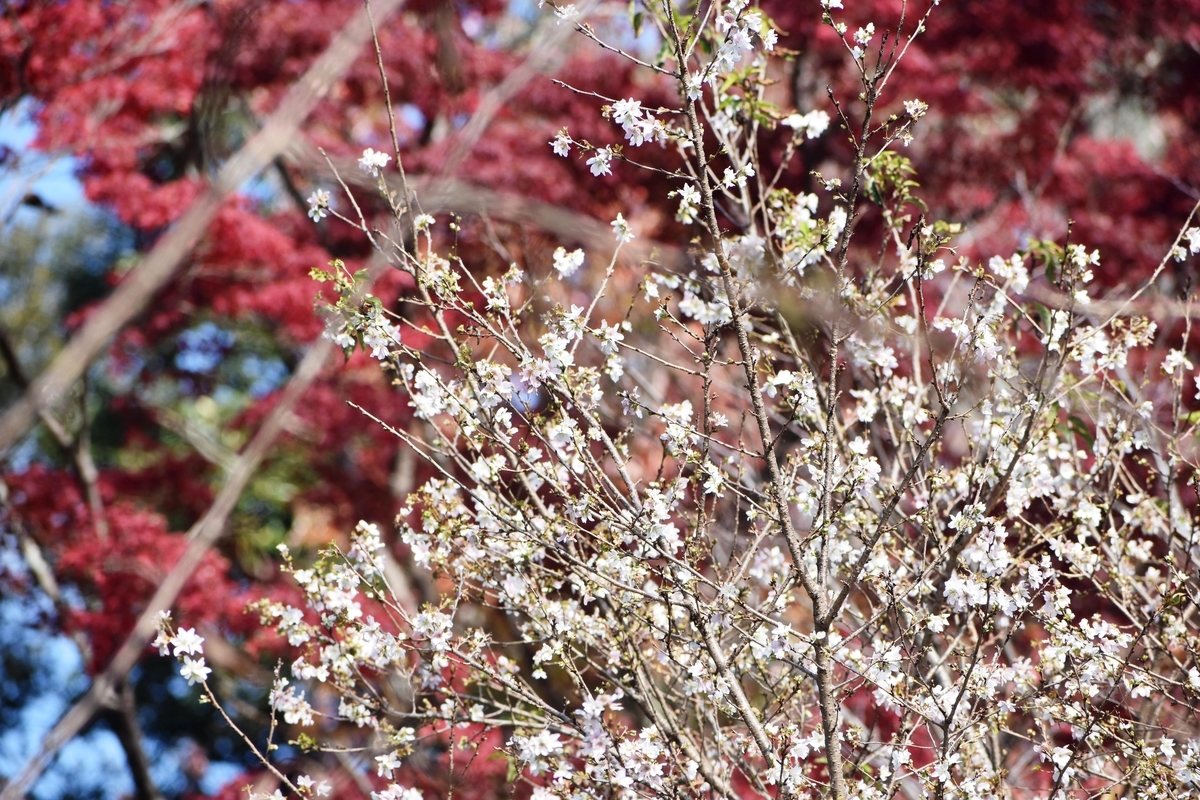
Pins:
x,y
1081,430
513,771
1175,599
305,743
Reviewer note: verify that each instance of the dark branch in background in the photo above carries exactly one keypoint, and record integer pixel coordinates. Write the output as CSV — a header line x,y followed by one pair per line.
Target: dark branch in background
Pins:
x,y
202,536
132,295
78,448
122,714
443,195
123,306
546,51
122,718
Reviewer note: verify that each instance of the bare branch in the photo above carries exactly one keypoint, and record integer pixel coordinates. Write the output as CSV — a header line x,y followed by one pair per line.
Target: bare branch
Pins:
x,y
131,297
202,536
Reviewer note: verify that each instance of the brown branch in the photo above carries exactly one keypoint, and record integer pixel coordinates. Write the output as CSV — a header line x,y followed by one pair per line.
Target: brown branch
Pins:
x,y
545,53
132,295
596,236
122,718
410,587
201,538
441,195
17,373
203,442
1158,307
77,447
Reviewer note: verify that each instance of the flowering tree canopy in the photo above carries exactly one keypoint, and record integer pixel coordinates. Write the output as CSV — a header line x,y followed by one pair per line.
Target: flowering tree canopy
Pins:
x,y
782,401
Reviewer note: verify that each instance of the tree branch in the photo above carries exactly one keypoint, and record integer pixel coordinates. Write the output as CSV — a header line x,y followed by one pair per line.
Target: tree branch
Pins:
x,y
132,295
123,720
202,536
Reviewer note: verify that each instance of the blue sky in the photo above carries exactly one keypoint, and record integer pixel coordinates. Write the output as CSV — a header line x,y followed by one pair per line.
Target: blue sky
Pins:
x,y
92,764
51,177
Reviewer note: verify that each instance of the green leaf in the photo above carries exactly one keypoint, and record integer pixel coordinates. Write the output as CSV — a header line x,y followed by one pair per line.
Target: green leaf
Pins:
x,y
514,771
305,743
1081,429
635,18
1049,254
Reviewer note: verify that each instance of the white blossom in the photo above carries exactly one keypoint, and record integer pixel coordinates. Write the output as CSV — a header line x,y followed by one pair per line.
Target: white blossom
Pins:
x,y
186,641
566,263
373,162
600,162
813,124
194,670
1193,239
621,229
561,143
318,205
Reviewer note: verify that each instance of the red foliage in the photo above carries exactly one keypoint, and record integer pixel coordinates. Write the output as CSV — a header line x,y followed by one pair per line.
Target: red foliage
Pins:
x,y
120,570
1021,133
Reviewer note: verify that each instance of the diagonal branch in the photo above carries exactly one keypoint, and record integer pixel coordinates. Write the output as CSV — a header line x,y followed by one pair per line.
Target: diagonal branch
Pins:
x,y
440,195
132,295
124,722
77,447
545,53
201,538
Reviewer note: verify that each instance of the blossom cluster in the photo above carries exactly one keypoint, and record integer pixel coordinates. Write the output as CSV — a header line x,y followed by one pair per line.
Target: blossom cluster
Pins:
x,y
183,645
800,502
